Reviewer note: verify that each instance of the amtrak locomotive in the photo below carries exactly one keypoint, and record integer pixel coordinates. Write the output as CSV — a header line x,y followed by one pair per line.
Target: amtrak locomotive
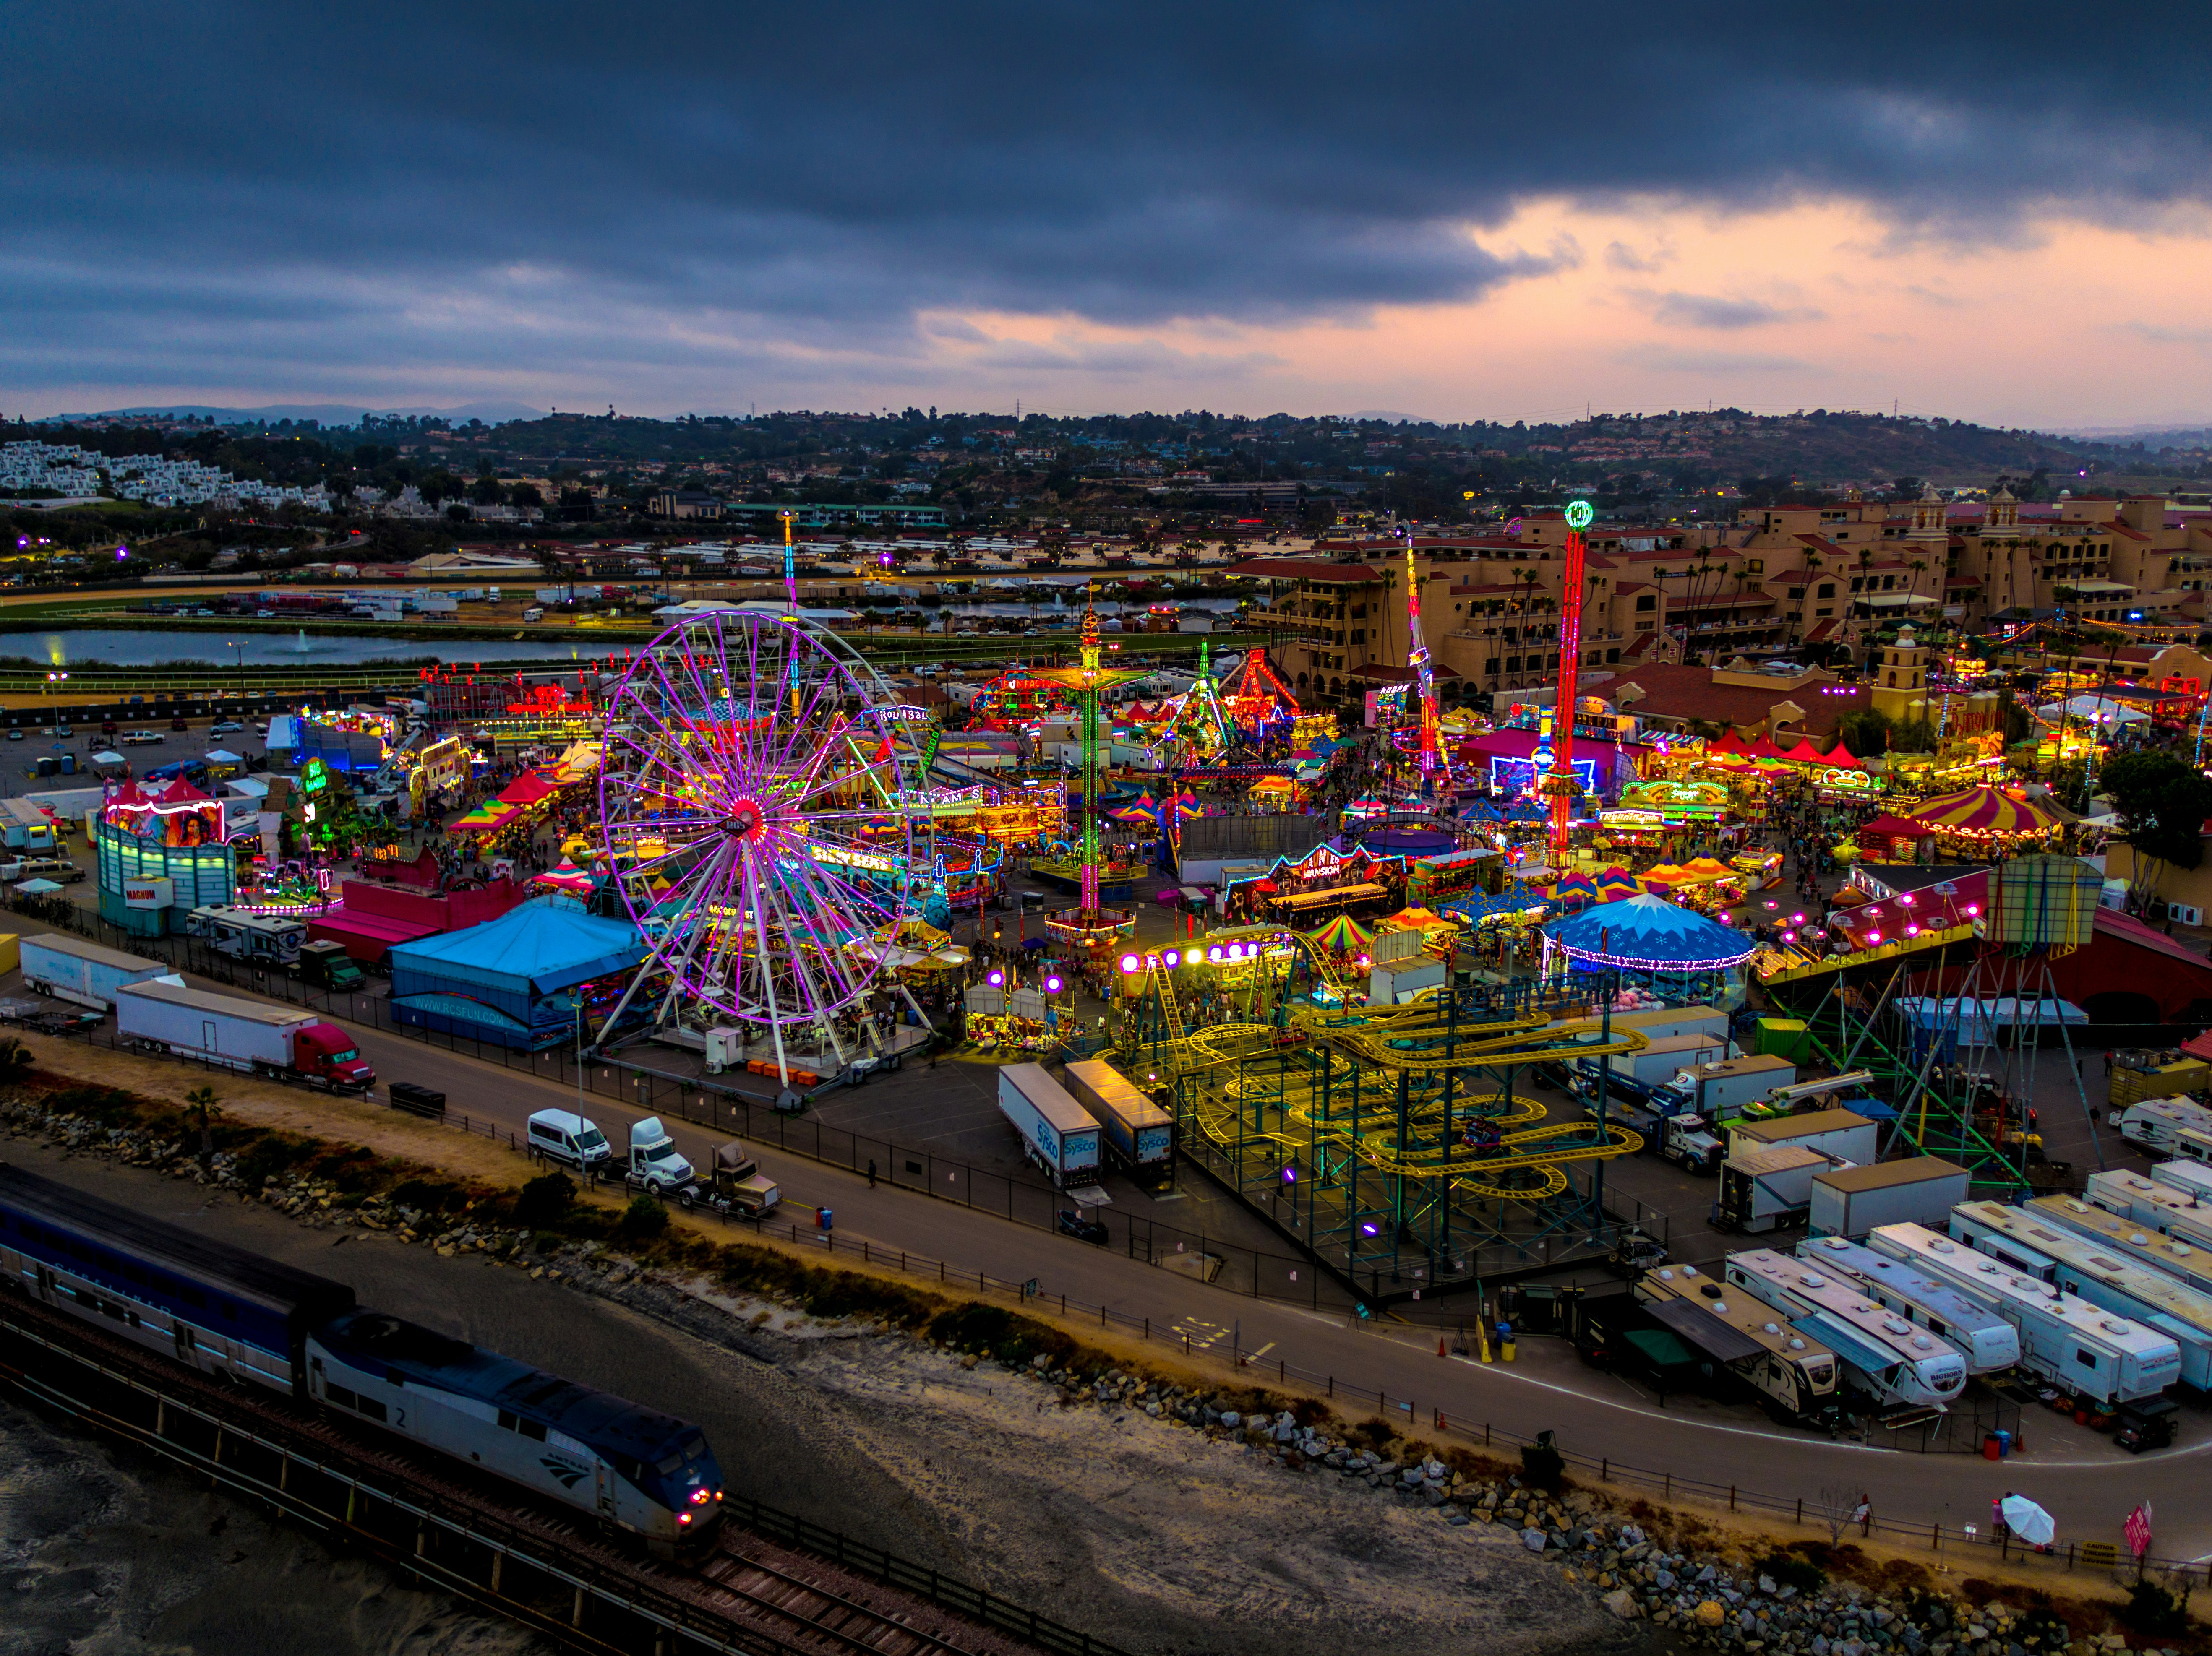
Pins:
x,y
248,1319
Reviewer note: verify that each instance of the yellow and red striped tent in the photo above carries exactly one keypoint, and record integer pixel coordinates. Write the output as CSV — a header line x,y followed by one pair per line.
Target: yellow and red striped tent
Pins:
x,y
1985,813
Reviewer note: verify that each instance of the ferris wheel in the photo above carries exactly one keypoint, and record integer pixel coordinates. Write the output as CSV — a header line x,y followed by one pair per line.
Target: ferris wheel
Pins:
x,y
755,799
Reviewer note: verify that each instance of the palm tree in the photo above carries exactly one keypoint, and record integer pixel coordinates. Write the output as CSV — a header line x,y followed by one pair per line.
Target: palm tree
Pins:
x,y
203,1099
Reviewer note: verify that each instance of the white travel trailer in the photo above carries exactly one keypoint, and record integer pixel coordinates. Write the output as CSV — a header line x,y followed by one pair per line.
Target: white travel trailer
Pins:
x,y
2087,1352
1883,1354
1989,1343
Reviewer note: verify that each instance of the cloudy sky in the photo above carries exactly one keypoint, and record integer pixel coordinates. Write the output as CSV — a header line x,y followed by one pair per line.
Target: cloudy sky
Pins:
x,y
1458,211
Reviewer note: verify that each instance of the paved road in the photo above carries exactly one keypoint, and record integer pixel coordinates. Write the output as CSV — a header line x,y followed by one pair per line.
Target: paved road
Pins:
x,y
2082,1478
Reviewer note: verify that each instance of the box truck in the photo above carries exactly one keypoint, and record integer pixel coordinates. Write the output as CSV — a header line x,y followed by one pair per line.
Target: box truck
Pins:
x,y
1139,1133
1921,1189
1666,1057
1768,1187
1055,1132
1725,1089
1844,1134
282,1042
71,969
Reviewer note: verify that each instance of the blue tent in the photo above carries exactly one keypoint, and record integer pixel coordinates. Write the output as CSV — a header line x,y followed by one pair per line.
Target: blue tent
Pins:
x,y
1647,934
501,981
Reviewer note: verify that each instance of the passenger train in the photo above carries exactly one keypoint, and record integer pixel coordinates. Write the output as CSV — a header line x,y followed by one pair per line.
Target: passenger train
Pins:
x,y
1884,1356
1988,1342
251,1320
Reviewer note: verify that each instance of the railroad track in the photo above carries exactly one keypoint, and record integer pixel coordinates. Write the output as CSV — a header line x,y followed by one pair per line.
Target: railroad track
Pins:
x,y
752,1595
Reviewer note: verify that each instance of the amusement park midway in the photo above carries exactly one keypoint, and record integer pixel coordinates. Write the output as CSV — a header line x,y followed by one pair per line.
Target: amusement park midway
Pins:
x,y
1736,1098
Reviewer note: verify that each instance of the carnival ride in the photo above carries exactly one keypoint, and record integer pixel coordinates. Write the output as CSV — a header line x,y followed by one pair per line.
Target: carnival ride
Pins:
x,y
1436,768
1946,997
1088,927
1562,786
1394,1140
750,806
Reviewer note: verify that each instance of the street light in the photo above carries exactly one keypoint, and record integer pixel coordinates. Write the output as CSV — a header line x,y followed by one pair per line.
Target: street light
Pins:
x,y
53,679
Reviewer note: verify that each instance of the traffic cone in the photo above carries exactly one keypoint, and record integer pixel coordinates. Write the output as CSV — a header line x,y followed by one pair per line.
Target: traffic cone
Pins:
x,y
1440,1345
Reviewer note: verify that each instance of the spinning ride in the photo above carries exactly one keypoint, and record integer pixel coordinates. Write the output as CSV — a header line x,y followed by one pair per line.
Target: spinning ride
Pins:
x,y
1087,926
749,803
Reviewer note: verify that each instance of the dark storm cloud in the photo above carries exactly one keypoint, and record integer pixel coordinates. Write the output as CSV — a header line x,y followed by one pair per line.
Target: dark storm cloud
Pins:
x,y
492,183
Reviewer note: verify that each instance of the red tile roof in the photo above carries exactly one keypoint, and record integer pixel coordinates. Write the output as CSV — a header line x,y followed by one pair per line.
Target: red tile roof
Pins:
x,y
1311,569
1683,692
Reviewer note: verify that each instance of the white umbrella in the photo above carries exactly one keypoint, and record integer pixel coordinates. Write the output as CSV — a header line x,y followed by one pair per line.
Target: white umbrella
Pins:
x,y
2028,1520
37,888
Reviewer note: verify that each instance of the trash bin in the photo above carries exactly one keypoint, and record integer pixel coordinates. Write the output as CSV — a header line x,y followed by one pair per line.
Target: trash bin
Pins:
x,y
2004,1443
823,1218
1991,1450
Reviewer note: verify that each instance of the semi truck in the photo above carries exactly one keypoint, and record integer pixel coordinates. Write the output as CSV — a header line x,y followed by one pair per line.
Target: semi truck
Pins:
x,y
1667,1056
282,1042
656,1166
1139,1133
1662,1114
1725,1089
735,1185
88,973
1055,1132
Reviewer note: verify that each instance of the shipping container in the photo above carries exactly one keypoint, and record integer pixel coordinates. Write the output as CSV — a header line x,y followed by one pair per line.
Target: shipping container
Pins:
x,y
1139,1133
1389,986
1921,1189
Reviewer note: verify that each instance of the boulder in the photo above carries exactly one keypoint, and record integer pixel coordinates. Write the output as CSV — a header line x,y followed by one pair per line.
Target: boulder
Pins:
x,y
1533,1539
1620,1604
1712,1613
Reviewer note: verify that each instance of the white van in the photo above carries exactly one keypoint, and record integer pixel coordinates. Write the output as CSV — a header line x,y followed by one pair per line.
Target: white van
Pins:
x,y
565,1136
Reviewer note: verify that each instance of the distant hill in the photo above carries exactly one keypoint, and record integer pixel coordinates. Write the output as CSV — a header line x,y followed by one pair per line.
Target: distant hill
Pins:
x,y
325,414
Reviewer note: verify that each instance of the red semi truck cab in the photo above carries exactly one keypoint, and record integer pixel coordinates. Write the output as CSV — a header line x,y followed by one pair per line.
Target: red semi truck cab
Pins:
x,y
324,1050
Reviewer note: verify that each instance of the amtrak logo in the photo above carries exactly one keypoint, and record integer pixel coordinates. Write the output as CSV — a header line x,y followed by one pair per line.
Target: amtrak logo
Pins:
x,y
570,1477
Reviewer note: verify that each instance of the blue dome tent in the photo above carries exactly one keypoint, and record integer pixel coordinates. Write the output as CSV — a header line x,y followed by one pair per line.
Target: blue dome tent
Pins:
x,y
1648,939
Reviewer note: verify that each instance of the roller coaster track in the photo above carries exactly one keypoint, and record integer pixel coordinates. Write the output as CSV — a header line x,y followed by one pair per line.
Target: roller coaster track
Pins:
x,y
1525,1165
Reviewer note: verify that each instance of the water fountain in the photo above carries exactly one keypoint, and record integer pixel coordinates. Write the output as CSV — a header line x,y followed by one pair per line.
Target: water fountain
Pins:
x,y
301,645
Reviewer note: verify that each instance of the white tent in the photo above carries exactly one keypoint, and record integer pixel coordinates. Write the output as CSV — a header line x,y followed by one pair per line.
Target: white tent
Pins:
x,y
2100,709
